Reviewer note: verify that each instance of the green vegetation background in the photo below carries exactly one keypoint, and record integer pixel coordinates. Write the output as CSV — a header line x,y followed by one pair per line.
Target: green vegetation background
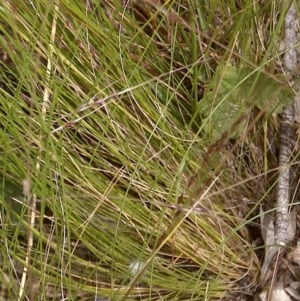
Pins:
x,y
143,128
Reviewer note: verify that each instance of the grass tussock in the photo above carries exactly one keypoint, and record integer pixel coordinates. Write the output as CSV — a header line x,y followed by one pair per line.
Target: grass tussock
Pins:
x,y
101,112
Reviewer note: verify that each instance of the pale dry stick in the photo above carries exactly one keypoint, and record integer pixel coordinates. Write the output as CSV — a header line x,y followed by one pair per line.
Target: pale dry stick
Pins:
x,y
282,230
287,134
287,138
45,104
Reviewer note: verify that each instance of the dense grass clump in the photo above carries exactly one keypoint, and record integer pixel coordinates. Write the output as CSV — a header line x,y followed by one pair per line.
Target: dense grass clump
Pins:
x,y
110,112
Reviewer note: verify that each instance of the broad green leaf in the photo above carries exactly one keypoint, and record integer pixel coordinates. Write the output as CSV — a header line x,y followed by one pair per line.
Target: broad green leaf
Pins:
x,y
234,91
